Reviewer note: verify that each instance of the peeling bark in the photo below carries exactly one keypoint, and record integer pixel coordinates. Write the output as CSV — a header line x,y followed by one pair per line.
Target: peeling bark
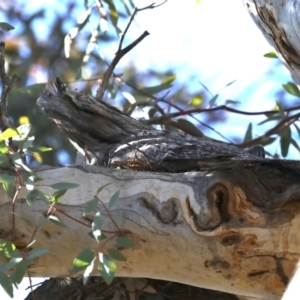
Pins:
x,y
233,230
279,22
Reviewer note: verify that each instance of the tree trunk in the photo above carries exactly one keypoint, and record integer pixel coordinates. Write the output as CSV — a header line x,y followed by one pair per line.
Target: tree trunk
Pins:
x,y
279,22
233,230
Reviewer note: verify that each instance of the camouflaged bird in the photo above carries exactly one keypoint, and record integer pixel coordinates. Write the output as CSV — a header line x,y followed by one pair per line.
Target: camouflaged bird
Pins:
x,y
108,137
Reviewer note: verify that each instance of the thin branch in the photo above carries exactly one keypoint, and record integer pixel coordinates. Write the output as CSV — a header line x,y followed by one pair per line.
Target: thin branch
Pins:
x,y
7,84
135,11
121,52
286,122
115,61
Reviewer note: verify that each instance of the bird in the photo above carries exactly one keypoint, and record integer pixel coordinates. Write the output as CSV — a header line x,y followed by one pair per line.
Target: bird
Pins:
x,y
90,124
105,136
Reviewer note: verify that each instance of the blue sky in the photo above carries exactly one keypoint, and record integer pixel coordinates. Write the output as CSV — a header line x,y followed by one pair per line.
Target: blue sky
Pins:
x,y
215,42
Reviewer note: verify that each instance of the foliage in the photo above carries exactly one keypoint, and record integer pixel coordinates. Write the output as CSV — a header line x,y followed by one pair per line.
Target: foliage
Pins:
x,y
14,269
72,47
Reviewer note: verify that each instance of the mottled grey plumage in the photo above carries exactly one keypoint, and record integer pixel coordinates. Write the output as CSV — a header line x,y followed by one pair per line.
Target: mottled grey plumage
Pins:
x,y
106,136
92,125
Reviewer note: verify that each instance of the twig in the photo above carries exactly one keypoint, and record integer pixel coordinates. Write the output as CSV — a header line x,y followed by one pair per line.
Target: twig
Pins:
x,y
7,84
121,52
135,11
115,61
286,122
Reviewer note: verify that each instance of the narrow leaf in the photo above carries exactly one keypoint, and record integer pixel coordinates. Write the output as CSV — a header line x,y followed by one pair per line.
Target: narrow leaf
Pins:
x,y
90,206
248,134
96,226
18,274
213,100
7,249
88,271
124,242
6,178
57,195
271,54
6,27
107,268
57,221
36,195
63,186
116,254
292,89
83,259
102,187
114,198
9,188
9,133
6,284
37,252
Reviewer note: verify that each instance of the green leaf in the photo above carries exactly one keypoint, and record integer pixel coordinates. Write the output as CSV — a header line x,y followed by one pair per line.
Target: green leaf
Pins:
x,y
6,284
102,187
4,162
30,183
18,274
271,54
83,259
166,84
33,89
36,195
284,145
285,141
196,101
248,134
3,147
297,128
112,12
17,160
96,226
6,178
268,141
88,271
292,89
116,254
9,133
294,143
6,27
232,102
101,238
7,249
27,143
24,130
152,111
57,195
213,100
81,22
190,127
37,252
169,79
124,242
5,267
9,188
39,149
107,268
114,198
90,206
63,186
57,221
275,117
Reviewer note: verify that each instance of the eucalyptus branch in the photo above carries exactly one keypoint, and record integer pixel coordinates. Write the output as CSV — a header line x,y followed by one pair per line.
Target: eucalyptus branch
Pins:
x,y
121,52
284,123
161,99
